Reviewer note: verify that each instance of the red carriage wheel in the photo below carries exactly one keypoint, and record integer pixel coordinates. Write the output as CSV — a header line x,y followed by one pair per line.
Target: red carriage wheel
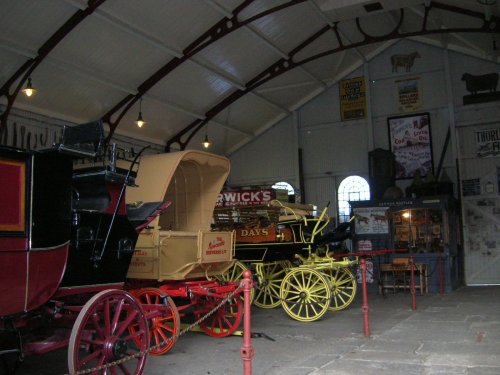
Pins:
x,y
224,320
100,335
163,318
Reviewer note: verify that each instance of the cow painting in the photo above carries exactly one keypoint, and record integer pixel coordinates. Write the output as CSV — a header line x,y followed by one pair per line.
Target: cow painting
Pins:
x,y
405,61
485,82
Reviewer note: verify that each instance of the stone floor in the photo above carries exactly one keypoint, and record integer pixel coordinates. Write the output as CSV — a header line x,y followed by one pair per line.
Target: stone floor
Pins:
x,y
457,333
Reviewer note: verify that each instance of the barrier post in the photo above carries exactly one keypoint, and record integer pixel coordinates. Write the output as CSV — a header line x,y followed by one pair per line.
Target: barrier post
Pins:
x,y
364,307
441,275
412,285
247,350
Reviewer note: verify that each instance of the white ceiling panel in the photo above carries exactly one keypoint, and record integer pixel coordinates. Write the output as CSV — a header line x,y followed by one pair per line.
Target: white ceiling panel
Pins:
x,y
292,77
281,27
288,97
128,49
262,113
160,19
115,53
20,20
202,88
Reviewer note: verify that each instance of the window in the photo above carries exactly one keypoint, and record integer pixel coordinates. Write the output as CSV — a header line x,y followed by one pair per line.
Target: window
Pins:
x,y
290,197
284,185
352,188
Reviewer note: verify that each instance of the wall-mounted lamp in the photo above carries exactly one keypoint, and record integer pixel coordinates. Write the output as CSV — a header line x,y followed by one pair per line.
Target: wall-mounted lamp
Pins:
x,y
29,90
140,121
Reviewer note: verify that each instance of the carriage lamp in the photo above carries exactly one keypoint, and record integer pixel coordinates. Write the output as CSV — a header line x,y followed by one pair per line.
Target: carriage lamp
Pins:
x,y
140,121
29,90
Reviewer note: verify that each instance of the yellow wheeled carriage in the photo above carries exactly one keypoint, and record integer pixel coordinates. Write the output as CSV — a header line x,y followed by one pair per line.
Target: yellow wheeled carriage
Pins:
x,y
287,248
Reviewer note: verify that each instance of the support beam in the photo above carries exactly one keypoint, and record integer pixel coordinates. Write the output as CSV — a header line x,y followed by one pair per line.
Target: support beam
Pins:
x,y
10,89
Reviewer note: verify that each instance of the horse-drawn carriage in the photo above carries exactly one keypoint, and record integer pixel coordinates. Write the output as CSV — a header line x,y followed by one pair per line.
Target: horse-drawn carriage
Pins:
x,y
177,254
287,246
67,238
65,247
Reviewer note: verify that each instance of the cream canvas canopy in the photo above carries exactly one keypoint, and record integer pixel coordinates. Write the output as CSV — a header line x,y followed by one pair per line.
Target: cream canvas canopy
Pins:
x,y
191,180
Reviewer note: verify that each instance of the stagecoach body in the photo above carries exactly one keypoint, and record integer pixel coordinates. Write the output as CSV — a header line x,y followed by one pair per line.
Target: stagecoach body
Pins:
x,y
53,226
35,227
65,247
273,232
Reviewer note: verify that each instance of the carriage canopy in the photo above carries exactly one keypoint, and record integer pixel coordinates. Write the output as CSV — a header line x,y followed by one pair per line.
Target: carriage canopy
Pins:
x,y
191,180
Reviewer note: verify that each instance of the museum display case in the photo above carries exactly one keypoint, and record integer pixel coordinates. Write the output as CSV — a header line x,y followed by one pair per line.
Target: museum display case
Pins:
x,y
423,228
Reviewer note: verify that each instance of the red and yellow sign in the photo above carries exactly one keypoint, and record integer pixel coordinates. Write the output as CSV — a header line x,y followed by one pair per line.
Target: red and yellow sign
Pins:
x,y
256,235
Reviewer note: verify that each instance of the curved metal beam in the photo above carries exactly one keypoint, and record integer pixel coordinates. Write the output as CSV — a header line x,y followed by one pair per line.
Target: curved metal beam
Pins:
x,y
25,70
284,65
219,30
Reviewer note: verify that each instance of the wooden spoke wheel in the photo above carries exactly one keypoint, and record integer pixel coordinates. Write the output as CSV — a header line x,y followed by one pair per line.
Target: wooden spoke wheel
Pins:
x,y
342,286
305,294
163,319
224,321
235,274
270,278
100,335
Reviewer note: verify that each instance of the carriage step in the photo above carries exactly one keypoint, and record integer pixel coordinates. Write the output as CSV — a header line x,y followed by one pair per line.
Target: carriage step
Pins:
x,y
9,351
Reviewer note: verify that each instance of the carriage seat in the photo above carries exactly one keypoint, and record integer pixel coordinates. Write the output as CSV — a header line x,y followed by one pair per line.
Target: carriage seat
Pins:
x,y
84,140
142,214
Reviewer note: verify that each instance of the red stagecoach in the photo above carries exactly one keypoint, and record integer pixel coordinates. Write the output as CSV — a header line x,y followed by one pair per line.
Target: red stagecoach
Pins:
x,y
67,238
65,247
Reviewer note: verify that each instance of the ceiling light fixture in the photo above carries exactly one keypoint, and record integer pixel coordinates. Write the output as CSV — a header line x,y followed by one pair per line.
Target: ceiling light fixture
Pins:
x,y
29,90
487,4
140,122
206,142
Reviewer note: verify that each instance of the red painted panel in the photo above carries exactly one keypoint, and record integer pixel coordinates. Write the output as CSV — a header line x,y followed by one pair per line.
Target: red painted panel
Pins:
x,y
13,244
114,191
46,269
12,195
13,268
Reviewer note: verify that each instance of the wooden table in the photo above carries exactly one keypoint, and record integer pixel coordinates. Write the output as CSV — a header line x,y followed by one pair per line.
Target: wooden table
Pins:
x,y
403,271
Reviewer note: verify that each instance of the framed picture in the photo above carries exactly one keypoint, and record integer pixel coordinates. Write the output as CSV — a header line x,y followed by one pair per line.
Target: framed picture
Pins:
x,y
410,141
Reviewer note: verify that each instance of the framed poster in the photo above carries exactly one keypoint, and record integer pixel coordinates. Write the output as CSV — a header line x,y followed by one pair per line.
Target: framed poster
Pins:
x,y
488,143
371,220
410,141
409,94
352,98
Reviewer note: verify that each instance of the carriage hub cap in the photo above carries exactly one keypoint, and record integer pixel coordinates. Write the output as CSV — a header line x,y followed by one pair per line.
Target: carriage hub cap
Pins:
x,y
120,348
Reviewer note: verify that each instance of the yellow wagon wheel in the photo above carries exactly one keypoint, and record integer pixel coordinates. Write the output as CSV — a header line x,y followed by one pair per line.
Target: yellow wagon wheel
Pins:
x,y
270,278
305,294
235,273
343,287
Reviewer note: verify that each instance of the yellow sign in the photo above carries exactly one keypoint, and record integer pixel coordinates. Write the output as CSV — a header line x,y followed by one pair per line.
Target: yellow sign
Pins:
x,y
352,98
